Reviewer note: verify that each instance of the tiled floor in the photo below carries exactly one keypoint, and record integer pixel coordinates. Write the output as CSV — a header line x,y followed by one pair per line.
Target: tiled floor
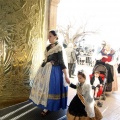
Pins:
x,y
111,106
27,110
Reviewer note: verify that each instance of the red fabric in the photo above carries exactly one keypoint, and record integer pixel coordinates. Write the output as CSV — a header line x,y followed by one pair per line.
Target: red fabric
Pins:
x,y
100,91
106,59
102,76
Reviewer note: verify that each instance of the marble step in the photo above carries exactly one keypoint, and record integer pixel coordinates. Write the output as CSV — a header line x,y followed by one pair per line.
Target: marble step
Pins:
x,y
27,111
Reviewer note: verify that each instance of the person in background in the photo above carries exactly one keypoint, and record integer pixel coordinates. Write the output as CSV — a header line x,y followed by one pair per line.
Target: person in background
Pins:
x,y
97,51
107,57
78,55
96,81
118,61
49,90
71,58
75,63
99,48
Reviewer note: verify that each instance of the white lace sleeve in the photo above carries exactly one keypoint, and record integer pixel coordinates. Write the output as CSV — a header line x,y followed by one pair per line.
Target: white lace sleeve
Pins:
x,y
89,101
98,56
89,95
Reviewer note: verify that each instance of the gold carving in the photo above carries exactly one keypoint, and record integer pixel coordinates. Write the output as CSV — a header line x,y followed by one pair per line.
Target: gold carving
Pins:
x,y
21,42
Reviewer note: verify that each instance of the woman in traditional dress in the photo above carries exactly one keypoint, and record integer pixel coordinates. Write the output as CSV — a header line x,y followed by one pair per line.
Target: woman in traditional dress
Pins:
x,y
107,57
50,90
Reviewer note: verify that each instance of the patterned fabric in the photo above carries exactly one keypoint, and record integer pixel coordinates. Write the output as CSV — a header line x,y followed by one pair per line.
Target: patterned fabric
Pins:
x,y
40,88
57,95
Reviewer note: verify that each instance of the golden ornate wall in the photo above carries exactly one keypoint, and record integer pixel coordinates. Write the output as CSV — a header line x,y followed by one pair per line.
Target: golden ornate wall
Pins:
x,y
22,40
24,25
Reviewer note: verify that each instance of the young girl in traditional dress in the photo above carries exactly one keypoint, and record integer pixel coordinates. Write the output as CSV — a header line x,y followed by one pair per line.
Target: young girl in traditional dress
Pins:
x,y
82,106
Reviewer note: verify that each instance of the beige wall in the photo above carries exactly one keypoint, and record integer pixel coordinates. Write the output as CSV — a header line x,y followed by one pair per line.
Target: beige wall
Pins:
x,y
53,14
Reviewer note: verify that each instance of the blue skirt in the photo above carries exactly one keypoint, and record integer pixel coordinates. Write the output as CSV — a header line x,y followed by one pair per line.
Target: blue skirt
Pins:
x,y
57,95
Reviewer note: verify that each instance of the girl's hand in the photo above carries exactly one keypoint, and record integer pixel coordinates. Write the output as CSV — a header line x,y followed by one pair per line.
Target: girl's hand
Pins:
x,y
52,62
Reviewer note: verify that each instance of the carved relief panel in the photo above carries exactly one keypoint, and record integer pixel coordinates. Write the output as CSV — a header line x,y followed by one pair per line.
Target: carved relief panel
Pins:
x,y
22,24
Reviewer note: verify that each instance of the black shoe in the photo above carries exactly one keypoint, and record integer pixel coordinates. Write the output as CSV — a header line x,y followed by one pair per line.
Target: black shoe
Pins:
x,y
43,113
99,104
96,98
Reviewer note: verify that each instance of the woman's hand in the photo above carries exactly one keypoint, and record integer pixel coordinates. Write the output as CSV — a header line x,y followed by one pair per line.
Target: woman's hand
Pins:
x,y
67,79
105,56
107,62
65,71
